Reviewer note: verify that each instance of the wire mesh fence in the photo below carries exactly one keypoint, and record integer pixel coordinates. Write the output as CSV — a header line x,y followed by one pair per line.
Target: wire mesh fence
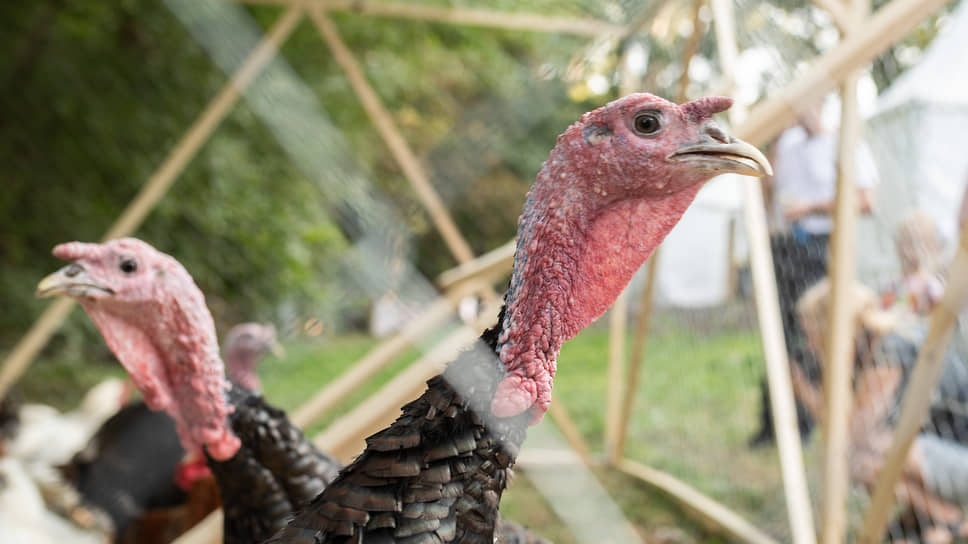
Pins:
x,y
295,211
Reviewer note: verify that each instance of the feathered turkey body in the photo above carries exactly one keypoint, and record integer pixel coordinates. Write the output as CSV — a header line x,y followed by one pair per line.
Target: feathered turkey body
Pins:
x,y
135,470
615,184
437,467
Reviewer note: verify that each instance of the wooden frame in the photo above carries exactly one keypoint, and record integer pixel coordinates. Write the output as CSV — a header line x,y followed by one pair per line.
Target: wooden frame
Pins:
x,y
886,26
531,22
839,357
710,513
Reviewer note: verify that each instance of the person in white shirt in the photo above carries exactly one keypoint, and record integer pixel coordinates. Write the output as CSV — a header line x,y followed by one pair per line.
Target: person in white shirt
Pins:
x,y
805,179
802,192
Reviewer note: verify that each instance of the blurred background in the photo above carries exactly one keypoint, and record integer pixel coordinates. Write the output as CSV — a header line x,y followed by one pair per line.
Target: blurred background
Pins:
x,y
295,211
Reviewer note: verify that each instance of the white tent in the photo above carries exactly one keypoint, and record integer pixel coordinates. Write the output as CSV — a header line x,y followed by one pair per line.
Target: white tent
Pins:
x,y
694,264
917,135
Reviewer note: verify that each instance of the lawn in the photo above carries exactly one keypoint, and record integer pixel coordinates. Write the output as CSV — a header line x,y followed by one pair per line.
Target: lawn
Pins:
x,y
696,406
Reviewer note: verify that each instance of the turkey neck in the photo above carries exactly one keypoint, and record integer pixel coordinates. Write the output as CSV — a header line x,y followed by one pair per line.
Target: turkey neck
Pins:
x,y
577,250
171,354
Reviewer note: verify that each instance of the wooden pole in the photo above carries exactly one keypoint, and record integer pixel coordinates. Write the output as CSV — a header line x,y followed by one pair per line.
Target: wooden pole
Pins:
x,y
156,186
917,397
840,347
617,319
531,22
690,51
838,371
889,24
644,321
795,488
384,124
732,278
486,268
642,327
710,513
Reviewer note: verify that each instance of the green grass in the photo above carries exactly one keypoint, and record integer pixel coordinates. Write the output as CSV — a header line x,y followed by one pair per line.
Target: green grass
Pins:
x,y
696,405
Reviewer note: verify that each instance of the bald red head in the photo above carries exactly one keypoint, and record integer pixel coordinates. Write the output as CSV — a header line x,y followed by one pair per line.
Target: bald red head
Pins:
x,y
615,184
155,320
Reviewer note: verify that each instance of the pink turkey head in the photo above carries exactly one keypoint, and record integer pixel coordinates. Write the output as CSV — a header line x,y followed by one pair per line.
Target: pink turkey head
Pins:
x,y
244,346
154,319
615,184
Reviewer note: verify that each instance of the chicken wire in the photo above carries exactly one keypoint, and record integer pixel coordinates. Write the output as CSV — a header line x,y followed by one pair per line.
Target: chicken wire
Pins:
x,y
675,436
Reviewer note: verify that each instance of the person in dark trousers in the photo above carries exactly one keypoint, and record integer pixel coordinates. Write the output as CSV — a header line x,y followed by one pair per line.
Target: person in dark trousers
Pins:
x,y
802,193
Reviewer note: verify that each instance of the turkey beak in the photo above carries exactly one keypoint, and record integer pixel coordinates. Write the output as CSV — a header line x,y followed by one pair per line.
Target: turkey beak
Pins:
x,y
721,153
73,281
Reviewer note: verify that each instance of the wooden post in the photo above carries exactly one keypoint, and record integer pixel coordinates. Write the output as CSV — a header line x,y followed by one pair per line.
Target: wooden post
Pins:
x,y
617,318
840,347
795,488
711,514
384,124
156,186
529,22
838,370
917,397
732,279
636,360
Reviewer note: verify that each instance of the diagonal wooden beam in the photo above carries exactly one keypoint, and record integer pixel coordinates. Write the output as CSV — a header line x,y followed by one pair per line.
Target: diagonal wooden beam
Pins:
x,y
388,130
156,186
712,514
532,22
886,26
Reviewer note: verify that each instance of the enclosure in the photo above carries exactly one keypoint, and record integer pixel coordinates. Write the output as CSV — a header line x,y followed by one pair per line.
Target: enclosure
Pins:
x,y
353,173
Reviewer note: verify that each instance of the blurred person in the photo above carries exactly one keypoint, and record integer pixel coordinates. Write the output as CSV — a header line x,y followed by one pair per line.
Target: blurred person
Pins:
x,y
803,190
934,482
921,254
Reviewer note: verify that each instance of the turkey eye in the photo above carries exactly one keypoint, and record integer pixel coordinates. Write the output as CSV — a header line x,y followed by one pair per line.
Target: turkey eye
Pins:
x,y
647,124
128,266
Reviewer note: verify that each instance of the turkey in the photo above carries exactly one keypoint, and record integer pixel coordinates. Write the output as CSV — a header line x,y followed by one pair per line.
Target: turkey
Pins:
x,y
614,185
276,469
244,346
133,469
154,319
